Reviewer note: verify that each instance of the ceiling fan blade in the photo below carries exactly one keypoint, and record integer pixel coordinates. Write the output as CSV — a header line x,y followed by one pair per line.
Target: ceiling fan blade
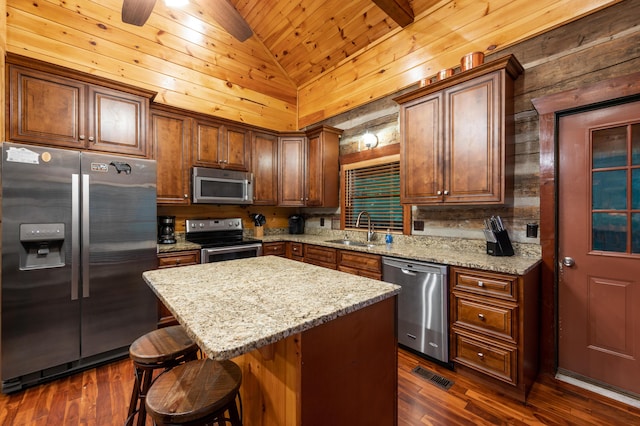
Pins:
x,y
136,12
223,12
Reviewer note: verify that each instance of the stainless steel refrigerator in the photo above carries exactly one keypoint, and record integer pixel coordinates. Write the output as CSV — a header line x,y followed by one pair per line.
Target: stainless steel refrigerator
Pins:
x,y
78,230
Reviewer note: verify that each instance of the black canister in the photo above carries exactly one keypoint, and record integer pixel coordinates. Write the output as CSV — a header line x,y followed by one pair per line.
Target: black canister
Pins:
x,y
166,229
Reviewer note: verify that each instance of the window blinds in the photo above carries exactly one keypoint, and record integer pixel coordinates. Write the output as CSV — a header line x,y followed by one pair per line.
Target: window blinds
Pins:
x,y
376,189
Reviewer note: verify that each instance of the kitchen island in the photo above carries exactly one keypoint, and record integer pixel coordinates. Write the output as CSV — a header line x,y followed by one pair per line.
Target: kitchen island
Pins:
x,y
316,346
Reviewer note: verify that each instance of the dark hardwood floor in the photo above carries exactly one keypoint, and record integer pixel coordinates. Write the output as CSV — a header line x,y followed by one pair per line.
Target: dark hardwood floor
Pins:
x,y
101,397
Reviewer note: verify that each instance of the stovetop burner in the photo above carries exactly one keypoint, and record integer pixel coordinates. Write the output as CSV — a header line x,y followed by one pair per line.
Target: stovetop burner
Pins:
x,y
216,232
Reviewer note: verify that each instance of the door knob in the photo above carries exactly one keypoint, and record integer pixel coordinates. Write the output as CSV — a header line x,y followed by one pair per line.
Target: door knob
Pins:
x,y
568,261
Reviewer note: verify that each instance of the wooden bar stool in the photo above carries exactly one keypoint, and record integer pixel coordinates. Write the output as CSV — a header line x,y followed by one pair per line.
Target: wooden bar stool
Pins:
x,y
196,393
160,349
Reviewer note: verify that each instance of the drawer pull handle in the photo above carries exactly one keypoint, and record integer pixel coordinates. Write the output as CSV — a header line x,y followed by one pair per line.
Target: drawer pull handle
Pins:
x,y
480,284
481,316
177,261
480,355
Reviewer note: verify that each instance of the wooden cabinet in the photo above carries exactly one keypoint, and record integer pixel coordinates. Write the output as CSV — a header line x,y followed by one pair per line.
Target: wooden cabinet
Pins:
x,y
494,334
457,137
295,251
309,169
364,264
171,140
264,165
170,260
278,248
220,145
321,256
47,108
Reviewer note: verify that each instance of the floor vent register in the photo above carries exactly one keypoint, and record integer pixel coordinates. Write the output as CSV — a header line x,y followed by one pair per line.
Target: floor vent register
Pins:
x,y
439,381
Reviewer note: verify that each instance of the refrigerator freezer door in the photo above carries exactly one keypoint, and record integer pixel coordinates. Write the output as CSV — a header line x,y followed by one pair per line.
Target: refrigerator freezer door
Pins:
x,y
40,326
117,305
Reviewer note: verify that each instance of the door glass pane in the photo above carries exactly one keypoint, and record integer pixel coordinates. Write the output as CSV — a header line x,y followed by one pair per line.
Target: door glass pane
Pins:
x,y
635,233
635,189
610,147
635,144
610,232
609,190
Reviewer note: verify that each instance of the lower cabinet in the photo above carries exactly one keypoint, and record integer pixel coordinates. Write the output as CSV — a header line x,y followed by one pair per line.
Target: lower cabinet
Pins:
x,y
321,256
364,264
295,251
494,332
171,260
278,248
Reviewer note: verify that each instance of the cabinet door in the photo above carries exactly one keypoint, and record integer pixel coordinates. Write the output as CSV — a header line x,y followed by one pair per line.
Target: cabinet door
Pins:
x,y
473,149
234,152
264,164
291,178
421,151
46,109
206,143
322,168
171,138
117,121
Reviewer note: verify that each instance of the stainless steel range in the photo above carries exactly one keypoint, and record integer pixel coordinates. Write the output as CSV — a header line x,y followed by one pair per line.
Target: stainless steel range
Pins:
x,y
221,239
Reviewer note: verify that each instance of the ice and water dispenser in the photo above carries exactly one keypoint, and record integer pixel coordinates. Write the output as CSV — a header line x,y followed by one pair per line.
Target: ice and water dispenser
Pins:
x,y
42,245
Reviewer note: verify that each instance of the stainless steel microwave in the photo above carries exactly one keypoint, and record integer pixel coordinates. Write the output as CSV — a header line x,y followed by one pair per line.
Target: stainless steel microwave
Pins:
x,y
216,186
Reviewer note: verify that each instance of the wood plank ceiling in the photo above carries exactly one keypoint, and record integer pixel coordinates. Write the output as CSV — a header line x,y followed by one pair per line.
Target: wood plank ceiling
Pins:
x,y
307,60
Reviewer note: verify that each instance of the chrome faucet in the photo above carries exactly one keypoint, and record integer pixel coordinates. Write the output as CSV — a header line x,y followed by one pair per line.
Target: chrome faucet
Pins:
x,y
369,228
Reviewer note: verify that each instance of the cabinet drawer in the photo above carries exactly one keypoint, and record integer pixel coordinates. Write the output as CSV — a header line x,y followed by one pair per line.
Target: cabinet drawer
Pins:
x,y
485,356
494,319
361,261
297,251
181,259
485,283
321,256
276,249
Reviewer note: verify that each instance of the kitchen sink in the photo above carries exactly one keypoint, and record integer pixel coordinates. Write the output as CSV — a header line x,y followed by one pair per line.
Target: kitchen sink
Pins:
x,y
352,243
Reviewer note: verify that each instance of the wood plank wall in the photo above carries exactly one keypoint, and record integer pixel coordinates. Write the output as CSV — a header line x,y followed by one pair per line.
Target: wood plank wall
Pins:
x,y
599,46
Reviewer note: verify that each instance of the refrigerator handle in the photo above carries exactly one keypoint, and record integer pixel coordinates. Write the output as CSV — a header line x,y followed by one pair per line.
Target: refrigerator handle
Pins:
x,y
75,235
85,235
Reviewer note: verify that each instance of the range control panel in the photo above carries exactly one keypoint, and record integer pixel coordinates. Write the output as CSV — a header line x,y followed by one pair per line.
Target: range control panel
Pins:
x,y
208,225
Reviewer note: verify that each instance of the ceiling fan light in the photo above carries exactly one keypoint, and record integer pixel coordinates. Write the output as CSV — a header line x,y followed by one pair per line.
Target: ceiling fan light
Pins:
x,y
176,4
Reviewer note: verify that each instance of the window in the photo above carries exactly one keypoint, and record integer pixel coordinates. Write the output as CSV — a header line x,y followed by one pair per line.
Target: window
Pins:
x,y
374,186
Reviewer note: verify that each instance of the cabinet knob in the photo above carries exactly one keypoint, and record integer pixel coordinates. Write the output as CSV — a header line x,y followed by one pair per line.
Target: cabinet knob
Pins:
x,y
480,355
446,192
81,137
91,138
481,316
480,284
186,195
439,193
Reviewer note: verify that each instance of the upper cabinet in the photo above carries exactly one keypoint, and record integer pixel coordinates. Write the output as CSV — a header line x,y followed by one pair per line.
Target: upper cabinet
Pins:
x,y
220,145
309,169
171,141
264,165
46,108
457,137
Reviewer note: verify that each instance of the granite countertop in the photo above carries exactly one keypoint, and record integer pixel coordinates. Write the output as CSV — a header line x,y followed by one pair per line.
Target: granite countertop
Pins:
x,y
233,307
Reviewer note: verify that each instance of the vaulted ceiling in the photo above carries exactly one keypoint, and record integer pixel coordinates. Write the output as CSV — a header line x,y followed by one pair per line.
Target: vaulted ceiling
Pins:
x,y
306,61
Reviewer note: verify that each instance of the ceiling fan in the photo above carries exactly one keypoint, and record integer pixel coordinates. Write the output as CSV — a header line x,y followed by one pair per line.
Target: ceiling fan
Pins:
x,y
136,12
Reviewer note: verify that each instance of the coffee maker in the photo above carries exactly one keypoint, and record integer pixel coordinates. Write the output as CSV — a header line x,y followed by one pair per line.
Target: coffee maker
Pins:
x,y
166,229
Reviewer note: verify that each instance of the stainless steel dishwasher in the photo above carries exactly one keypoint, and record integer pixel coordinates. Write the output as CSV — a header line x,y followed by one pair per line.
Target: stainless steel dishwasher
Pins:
x,y
422,305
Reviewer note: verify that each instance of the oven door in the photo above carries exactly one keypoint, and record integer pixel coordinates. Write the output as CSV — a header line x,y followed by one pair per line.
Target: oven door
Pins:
x,y
219,254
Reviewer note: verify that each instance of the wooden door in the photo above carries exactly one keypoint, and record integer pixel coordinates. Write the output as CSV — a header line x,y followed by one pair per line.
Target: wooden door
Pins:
x,y
421,151
315,181
117,121
46,109
599,246
264,160
291,178
171,138
206,143
472,141
235,149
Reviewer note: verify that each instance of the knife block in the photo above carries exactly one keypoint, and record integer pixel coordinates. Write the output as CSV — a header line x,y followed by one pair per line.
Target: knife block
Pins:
x,y
258,231
502,246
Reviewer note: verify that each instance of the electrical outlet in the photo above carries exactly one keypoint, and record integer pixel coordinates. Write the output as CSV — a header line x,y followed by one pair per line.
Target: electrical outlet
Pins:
x,y
418,225
322,221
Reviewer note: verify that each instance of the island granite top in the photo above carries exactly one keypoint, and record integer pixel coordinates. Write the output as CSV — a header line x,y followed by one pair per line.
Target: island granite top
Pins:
x,y
233,307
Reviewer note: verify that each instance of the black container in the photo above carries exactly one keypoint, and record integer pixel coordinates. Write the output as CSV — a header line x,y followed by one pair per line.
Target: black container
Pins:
x,y
166,229
296,224
501,246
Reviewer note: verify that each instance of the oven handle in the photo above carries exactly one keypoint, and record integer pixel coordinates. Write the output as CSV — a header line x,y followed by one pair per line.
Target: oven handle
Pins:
x,y
232,249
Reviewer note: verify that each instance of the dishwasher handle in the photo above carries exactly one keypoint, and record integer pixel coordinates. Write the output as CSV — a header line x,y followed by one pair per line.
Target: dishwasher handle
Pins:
x,y
408,272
